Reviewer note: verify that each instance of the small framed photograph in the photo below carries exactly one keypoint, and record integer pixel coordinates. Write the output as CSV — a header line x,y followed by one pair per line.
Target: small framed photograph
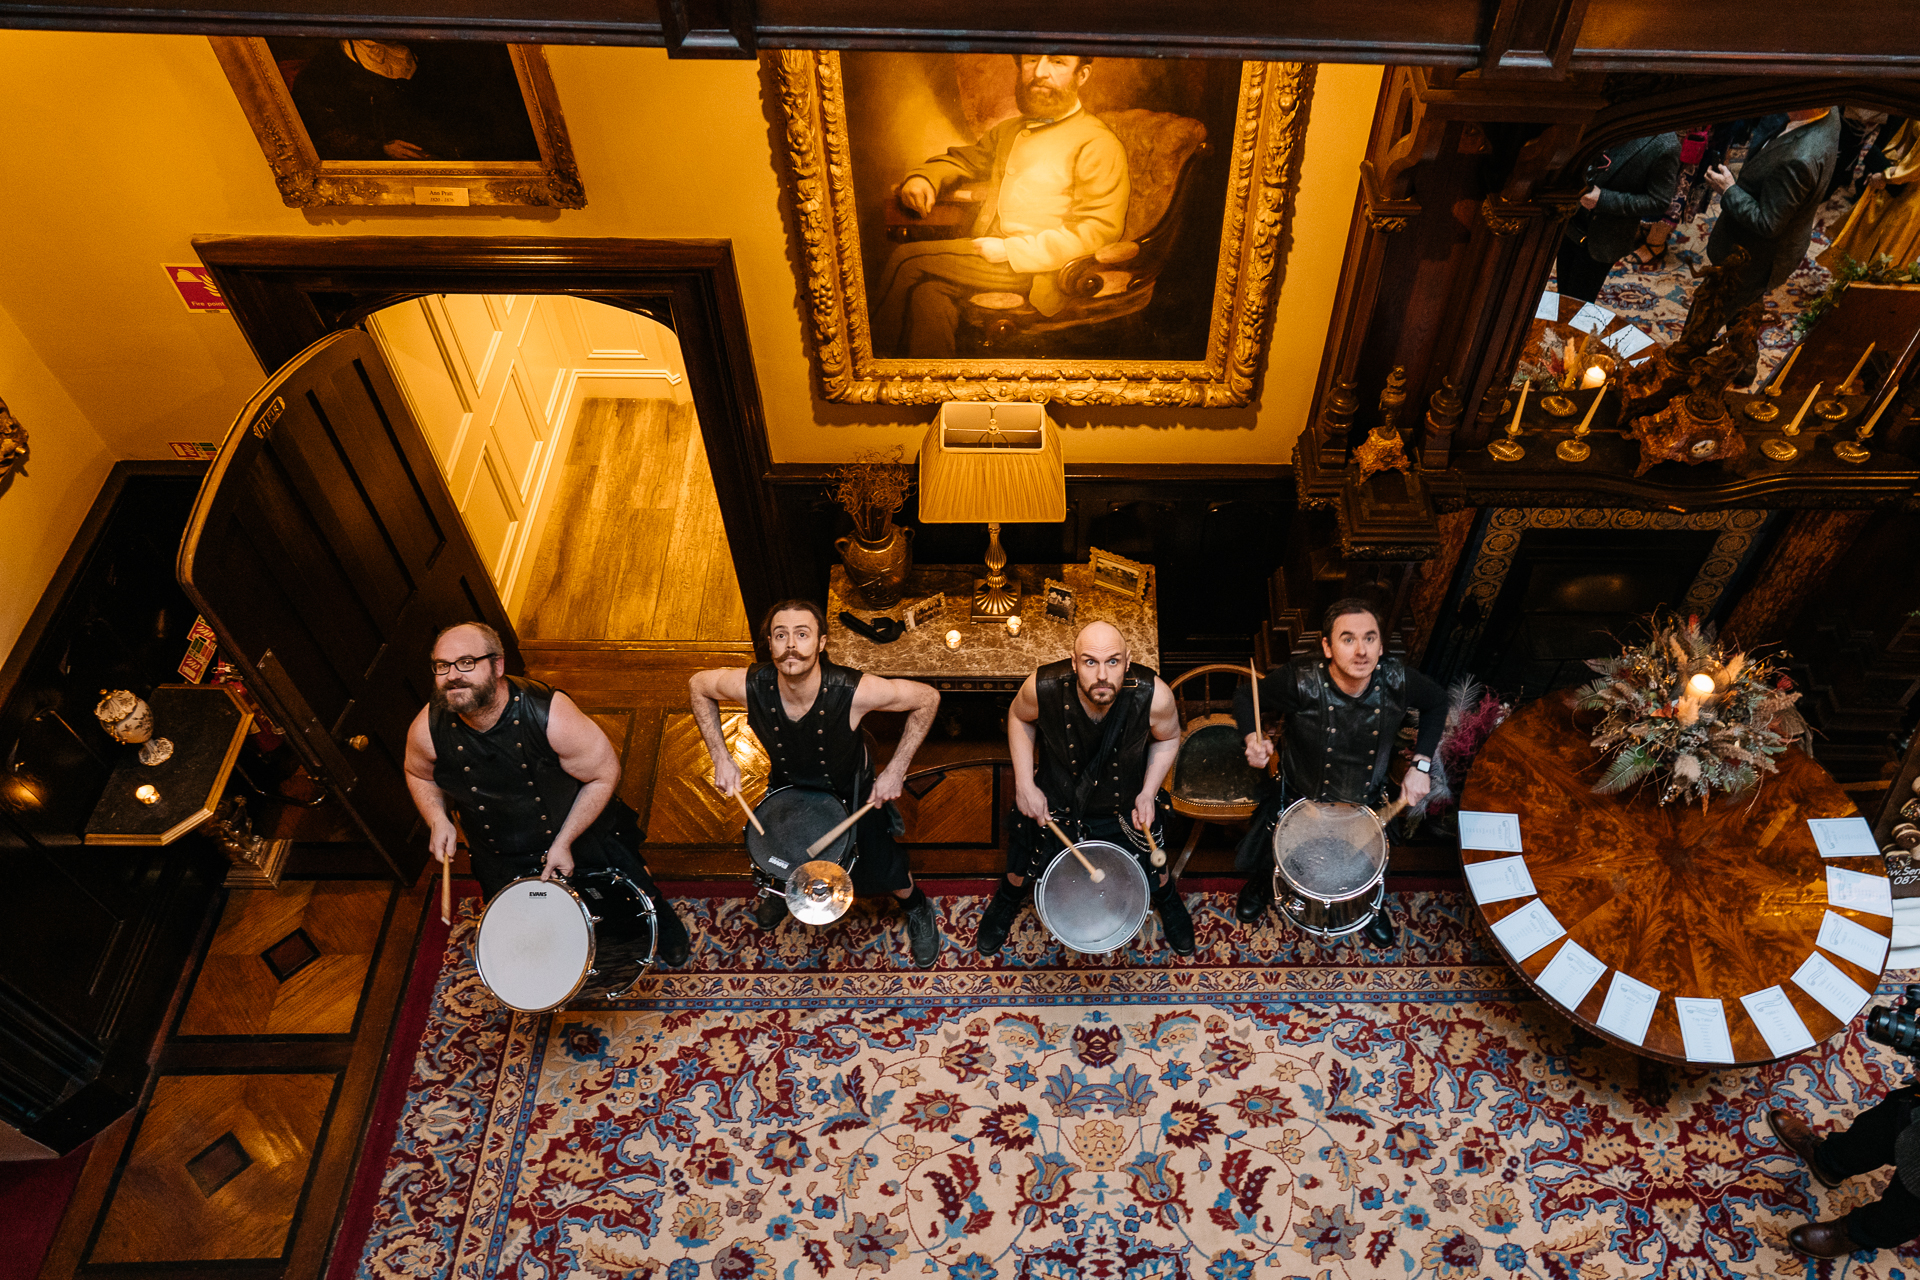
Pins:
x,y
1117,573
1059,601
921,612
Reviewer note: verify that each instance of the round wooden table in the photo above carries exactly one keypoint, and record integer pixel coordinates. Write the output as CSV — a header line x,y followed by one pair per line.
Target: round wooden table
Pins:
x,y
1716,904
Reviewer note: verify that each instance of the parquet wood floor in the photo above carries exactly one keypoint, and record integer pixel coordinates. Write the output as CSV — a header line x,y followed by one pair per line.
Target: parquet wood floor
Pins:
x,y
342,922
635,549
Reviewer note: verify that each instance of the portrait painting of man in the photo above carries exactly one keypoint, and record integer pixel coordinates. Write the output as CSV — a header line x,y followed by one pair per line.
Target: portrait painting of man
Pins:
x,y
1065,219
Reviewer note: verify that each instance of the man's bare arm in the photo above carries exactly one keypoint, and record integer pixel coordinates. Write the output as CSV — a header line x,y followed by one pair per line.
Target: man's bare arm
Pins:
x,y
441,834
1165,728
589,758
920,701
705,692
1023,735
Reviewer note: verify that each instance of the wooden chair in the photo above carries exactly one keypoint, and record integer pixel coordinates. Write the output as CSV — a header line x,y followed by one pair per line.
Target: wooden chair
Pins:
x,y
1211,780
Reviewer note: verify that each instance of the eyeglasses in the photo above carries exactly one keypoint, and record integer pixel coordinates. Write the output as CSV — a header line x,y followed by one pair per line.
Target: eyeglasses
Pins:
x,y
460,664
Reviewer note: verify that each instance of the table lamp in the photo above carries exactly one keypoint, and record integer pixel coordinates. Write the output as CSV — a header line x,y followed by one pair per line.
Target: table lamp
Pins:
x,y
993,464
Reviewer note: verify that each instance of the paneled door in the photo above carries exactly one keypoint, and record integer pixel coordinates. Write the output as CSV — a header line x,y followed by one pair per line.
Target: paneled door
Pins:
x,y
325,550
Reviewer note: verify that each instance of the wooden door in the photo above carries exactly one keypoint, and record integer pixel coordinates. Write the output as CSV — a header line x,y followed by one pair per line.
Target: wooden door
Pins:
x,y
325,551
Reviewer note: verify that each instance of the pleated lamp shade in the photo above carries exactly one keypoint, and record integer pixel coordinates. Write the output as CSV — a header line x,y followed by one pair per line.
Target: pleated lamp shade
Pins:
x,y
992,463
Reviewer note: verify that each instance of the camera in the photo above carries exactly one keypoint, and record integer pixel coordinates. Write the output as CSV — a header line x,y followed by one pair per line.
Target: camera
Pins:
x,y
1898,1028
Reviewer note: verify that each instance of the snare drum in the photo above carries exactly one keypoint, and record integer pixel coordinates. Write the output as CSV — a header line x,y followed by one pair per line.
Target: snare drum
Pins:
x,y
1329,867
794,818
542,942
1087,917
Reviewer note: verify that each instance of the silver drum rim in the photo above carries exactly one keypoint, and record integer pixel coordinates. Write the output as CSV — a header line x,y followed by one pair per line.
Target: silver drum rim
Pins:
x,y
1116,862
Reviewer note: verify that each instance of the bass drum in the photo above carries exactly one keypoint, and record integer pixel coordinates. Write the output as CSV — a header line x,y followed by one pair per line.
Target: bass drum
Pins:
x,y
1329,867
542,942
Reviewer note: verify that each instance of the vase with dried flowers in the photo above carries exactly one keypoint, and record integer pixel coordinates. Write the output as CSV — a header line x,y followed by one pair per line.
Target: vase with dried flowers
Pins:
x,y
878,553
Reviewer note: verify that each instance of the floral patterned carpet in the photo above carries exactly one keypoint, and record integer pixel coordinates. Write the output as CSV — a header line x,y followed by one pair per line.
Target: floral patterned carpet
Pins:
x,y
807,1105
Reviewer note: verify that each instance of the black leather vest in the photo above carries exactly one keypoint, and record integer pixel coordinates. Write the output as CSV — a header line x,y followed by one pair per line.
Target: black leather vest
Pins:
x,y
1070,738
507,784
1337,747
821,748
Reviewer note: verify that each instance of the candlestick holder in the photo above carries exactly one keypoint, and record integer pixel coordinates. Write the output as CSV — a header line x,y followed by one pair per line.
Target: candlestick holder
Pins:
x,y
1832,409
1763,410
1559,406
1509,449
1854,450
1574,448
1779,449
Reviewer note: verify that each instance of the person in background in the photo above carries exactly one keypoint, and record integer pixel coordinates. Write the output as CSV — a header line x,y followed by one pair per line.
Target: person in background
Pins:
x,y
1628,184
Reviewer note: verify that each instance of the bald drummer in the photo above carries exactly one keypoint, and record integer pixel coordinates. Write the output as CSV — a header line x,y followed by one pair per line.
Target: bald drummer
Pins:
x,y
1092,738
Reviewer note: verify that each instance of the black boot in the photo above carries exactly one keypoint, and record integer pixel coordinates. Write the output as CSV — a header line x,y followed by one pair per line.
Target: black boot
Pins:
x,y
1256,895
923,929
996,922
1380,931
1175,922
770,910
674,942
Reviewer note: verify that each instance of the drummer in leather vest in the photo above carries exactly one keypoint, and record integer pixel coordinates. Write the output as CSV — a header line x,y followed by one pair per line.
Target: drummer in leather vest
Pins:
x,y
1092,738
1341,712
532,778
806,711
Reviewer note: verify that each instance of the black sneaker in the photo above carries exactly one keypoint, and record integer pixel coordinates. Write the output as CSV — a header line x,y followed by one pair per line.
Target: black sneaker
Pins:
x,y
996,922
1175,923
923,933
770,911
1380,931
674,942
1256,895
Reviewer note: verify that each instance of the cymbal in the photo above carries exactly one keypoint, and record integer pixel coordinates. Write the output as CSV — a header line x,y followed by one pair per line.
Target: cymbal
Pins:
x,y
819,892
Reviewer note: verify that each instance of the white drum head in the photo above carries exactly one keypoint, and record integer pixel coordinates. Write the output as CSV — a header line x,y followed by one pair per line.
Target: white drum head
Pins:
x,y
535,946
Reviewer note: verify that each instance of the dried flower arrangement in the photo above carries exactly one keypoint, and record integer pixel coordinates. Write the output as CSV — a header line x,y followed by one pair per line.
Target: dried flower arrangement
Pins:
x,y
1680,710
1473,713
871,488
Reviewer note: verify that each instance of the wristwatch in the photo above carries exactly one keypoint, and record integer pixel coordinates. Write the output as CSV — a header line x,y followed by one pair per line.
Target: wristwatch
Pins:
x,y
1423,764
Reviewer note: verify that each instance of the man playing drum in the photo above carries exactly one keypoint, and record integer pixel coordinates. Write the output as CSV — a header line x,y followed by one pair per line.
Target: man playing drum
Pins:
x,y
1342,711
532,778
806,711
1092,738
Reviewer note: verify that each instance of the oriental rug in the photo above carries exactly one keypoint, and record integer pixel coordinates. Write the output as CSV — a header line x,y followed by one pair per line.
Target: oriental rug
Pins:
x,y
807,1106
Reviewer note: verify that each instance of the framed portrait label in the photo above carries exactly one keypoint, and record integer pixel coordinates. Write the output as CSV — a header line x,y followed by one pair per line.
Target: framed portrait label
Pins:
x,y
1040,227
446,123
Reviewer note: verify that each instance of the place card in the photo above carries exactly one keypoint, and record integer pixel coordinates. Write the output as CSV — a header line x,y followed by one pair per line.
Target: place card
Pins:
x,y
1851,940
1527,930
1820,978
1628,1009
1570,974
1499,832
1591,318
1779,1025
1549,308
1628,342
1499,880
1703,1029
1843,837
1872,894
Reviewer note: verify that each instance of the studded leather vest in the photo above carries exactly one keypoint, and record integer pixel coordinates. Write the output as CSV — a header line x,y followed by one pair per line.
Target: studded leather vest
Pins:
x,y
1337,747
507,784
1070,742
820,749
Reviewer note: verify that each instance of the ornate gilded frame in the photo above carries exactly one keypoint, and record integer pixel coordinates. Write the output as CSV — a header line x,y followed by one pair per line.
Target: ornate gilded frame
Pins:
x,y
1270,128
306,181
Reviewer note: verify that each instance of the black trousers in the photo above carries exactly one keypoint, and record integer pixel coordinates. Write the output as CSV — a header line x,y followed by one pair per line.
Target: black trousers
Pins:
x,y
1866,1145
1579,275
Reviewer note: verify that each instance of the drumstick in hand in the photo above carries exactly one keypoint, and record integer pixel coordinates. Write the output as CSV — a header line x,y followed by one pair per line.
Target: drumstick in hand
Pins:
x,y
1158,856
1093,872
748,810
1392,811
813,850
446,890
1256,696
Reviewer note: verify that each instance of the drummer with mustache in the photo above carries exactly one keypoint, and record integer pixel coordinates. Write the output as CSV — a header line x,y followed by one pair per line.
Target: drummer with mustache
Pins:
x,y
532,778
1342,709
806,710
1092,738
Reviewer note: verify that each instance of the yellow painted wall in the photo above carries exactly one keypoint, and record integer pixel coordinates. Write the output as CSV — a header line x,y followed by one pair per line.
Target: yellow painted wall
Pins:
x,y
46,498
119,149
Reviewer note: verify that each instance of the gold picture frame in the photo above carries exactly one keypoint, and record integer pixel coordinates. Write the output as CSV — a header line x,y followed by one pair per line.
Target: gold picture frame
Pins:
x,y
1253,143
1118,574
489,149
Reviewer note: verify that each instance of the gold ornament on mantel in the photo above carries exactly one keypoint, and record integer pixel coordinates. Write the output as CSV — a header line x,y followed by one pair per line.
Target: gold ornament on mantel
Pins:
x,y
13,443
1382,450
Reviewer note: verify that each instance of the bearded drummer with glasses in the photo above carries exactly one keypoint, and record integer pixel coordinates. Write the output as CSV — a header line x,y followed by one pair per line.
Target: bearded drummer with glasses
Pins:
x,y
1341,710
532,778
1092,738
806,711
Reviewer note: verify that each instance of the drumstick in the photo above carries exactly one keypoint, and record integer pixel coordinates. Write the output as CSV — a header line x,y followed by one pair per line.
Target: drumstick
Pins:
x,y
813,850
748,810
1093,872
446,890
1256,696
1392,811
1157,857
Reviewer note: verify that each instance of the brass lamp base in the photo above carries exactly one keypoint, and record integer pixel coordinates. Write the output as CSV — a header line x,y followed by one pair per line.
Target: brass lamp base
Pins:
x,y
993,603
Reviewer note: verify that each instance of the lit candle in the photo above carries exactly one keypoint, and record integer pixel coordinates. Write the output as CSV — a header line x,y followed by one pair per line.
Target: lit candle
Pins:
x,y
1701,684
1519,408
1793,428
953,639
1013,625
147,794
1594,377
